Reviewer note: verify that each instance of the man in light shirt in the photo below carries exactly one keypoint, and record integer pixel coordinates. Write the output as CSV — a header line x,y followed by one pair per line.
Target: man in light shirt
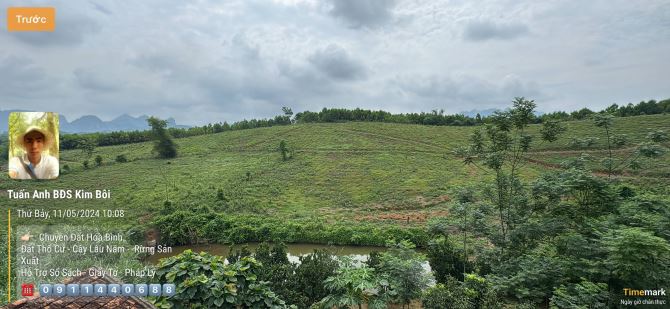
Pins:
x,y
35,163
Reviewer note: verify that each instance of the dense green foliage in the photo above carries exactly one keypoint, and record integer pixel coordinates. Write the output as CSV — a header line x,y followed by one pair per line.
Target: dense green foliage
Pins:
x,y
403,267
186,227
310,275
356,285
446,258
474,292
566,230
582,295
300,284
204,281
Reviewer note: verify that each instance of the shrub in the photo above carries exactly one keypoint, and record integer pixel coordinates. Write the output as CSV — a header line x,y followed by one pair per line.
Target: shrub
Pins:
x,y
283,149
220,196
444,296
85,164
121,159
98,160
445,259
474,292
204,281
580,143
181,227
354,285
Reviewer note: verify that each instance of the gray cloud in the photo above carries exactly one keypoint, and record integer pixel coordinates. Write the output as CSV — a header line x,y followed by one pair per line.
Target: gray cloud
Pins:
x,y
101,8
335,62
481,30
363,13
21,78
462,89
246,58
94,81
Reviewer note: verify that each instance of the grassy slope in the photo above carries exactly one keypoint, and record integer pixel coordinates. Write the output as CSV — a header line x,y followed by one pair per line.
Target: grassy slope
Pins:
x,y
376,172
340,172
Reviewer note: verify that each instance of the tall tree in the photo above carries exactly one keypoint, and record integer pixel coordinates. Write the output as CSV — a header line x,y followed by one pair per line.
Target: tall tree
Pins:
x,y
163,143
502,151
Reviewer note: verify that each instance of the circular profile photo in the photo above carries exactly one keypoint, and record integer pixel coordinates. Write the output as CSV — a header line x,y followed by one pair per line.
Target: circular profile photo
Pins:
x,y
33,145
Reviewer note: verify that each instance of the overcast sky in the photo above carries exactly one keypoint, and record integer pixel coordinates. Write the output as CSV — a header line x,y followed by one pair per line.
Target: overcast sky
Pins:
x,y
209,61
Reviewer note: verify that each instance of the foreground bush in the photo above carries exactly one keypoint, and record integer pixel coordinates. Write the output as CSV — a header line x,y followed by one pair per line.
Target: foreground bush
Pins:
x,y
183,227
203,281
474,292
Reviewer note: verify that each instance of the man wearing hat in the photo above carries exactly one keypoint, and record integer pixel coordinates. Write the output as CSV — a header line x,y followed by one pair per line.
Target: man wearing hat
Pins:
x,y
35,162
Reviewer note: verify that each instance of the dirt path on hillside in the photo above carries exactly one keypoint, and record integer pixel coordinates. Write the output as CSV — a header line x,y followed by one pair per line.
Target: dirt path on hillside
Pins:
x,y
363,150
394,138
624,175
618,150
272,137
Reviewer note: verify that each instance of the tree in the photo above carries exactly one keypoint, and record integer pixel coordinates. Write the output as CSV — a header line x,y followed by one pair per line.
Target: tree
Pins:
x,y
287,111
503,152
310,275
87,146
551,130
403,266
464,211
444,258
163,143
278,272
605,121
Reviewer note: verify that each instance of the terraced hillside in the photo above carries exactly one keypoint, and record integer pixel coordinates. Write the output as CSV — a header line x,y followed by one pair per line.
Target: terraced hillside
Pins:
x,y
378,173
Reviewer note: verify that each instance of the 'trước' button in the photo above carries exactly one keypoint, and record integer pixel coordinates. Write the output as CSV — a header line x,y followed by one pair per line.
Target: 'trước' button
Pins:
x,y
31,19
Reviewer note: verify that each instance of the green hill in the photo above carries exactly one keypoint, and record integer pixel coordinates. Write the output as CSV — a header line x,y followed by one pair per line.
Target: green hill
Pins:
x,y
344,174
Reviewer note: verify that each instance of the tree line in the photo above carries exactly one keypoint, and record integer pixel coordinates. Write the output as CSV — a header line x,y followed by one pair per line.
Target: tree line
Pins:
x,y
439,118
651,107
328,115
79,141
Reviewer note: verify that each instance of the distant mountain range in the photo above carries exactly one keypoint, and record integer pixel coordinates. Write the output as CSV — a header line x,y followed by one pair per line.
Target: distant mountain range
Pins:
x,y
482,112
488,112
90,123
